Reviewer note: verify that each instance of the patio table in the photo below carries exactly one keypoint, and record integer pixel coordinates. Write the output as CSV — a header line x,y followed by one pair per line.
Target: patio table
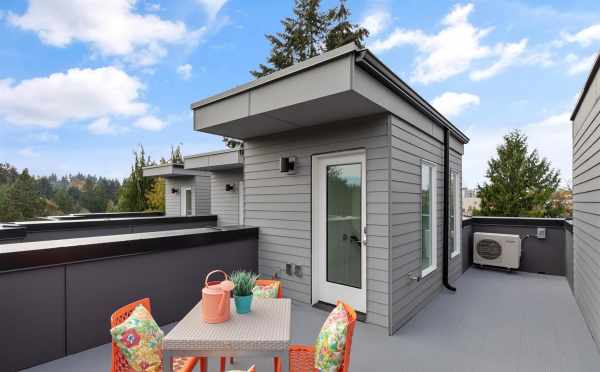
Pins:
x,y
264,332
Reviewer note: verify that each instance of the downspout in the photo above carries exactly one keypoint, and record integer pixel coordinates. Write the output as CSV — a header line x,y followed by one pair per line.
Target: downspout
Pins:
x,y
446,210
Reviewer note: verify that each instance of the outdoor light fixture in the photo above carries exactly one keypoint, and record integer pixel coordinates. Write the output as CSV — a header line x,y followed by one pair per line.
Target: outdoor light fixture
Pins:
x,y
287,165
174,190
228,187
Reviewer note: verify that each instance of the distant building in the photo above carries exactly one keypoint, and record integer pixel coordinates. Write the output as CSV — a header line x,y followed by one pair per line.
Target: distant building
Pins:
x,y
469,205
468,193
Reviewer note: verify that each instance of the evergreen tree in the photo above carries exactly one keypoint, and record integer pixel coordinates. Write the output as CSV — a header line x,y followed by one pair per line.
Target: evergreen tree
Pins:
x,y
520,183
308,33
21,199
342,31
132,196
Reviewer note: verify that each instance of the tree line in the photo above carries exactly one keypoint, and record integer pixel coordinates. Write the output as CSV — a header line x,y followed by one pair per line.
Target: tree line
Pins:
x,y
26,197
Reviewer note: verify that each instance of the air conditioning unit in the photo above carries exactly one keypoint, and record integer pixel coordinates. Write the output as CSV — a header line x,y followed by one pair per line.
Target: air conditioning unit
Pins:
x,y
499,250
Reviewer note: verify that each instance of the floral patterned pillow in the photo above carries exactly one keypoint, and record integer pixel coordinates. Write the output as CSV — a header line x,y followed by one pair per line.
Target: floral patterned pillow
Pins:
x,y
140,340
331,342
266,291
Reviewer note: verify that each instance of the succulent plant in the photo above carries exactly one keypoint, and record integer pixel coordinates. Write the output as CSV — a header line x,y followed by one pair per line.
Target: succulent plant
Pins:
x,y
244,282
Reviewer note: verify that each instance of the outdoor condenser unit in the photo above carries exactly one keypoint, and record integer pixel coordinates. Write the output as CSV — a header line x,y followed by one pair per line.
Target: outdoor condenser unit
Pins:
x,y
499,250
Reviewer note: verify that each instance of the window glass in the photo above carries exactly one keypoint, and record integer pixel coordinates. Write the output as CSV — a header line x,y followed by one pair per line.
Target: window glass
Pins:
x,y
427,218
188,202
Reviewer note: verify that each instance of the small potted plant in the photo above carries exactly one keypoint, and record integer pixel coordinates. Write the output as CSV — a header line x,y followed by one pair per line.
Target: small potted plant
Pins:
x,y
244,282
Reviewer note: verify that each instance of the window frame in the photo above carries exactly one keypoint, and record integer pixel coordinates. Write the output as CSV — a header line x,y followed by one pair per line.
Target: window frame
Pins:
x,y
433,215
456,250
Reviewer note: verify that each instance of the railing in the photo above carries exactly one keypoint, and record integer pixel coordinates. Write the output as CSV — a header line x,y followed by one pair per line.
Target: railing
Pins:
x,y
550,255
66,229
57,295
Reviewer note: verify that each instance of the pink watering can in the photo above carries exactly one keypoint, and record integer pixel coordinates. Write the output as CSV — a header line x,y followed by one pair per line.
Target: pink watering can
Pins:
x,y
216,299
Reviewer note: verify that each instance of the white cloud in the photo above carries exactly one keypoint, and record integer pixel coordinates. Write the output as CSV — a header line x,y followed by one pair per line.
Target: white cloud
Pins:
x,y
43,137
508,54
28,152
584,37
78,94
103,126
212,7
185,71
577,65
452,104
551,136
111,27
453,49
376,21
150,123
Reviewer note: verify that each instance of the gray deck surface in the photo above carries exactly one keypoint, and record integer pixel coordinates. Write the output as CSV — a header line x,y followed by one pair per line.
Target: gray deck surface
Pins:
x,y
495,322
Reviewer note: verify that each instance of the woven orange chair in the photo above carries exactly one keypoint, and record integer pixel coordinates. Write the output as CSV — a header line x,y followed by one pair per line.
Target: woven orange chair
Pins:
x,y
119,363
263,282
302,357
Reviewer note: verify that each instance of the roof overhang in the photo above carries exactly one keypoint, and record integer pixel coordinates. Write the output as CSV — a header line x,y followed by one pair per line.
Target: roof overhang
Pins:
x,y
344,83
168,171
214,161
586,87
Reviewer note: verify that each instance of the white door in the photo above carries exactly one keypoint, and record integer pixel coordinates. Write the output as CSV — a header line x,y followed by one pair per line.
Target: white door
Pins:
x,y
339,241
187,201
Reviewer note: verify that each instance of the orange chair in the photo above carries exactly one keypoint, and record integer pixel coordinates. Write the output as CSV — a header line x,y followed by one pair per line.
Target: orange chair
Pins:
x,y
263,282
302,357
119,363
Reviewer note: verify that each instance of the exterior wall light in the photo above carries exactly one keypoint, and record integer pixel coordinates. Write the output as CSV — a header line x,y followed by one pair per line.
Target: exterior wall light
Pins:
x,y
229,187
174,190
287,165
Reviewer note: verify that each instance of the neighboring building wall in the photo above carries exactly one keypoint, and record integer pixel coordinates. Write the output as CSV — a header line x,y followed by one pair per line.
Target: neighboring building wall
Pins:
x,y
409,147
586,207
225,204
280,204
201,194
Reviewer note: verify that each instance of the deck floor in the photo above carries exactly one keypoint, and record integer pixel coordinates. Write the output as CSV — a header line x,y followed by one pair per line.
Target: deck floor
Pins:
x,y
496,321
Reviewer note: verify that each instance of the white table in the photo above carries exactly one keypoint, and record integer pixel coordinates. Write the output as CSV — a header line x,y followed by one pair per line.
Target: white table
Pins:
x,y
264,332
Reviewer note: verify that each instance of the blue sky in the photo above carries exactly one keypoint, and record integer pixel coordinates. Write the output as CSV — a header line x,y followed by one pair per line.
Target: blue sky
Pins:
x,y
83,82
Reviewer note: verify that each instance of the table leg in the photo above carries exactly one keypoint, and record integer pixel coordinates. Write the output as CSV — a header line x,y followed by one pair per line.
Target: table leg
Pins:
x,y
167,361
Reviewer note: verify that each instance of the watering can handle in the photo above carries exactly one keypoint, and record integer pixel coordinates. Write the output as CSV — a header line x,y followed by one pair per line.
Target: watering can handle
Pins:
x,y
213,272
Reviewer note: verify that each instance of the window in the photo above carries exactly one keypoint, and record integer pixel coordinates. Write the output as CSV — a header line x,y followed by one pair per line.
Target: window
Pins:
x,y
428,219
455,223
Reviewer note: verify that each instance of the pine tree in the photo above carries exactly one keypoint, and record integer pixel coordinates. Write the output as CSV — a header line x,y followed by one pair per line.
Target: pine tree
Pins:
x,y
132,196
342,31
520,183
308,33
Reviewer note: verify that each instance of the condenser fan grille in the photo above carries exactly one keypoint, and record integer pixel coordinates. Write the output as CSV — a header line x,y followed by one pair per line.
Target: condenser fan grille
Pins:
x,y
489,249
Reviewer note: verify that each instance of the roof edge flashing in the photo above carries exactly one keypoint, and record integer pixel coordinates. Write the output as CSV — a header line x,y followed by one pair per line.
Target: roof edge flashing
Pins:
x,y
587,85
277,75
369,62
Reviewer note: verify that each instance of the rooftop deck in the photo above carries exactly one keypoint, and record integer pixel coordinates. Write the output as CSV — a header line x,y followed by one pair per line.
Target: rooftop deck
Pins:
x,y
495,322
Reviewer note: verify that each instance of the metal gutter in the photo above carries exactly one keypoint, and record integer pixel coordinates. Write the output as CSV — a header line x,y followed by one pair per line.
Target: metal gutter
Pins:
x,y
377,69
588,83
445,248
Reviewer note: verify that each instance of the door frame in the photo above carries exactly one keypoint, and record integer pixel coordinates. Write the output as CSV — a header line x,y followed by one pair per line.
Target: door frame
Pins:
x,y
318,232
183,201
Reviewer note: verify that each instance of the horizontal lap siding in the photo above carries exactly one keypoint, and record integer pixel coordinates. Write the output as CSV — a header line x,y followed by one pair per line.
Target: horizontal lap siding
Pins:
x,y
225,204
280,204
586,208
409,146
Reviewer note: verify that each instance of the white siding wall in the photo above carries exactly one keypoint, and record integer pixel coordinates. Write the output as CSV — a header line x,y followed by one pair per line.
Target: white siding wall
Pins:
x,y
225,203
409,147
280,204
586,208
201,189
